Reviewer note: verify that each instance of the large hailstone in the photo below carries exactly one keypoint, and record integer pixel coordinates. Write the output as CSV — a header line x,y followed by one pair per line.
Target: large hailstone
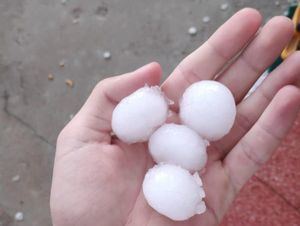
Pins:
x,y
173,192
208,107
137,116
179,145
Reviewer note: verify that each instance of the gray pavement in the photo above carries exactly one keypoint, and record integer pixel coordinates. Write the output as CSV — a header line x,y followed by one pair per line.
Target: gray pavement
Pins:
x,y
67,39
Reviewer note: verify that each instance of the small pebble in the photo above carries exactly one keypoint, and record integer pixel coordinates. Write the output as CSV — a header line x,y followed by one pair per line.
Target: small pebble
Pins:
x,y
224,6
101,11
106,55
15,178
193,31
50,77
69,83
277,3
19,216
206,19
62,63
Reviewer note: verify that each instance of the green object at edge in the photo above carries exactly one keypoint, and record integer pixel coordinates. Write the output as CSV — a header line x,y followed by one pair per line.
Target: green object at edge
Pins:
x,y
279,60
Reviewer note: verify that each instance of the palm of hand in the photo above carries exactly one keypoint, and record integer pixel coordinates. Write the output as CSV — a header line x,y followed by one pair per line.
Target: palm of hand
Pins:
x,y
97,179
108,186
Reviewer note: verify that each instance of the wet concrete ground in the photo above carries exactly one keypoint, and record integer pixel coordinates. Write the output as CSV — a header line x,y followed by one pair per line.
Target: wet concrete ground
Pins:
x,y
67,39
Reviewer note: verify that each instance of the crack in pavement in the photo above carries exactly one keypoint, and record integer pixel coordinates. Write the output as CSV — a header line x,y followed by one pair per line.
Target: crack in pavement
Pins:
x,y
5,98
5,109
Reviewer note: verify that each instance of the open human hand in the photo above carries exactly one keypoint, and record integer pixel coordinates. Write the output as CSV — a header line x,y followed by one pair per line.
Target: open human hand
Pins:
x,y
97,179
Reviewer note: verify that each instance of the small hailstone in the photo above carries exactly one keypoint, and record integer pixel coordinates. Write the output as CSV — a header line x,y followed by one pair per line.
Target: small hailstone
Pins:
x,y
208,107
224,6
75,21
138,115
16,178
193,31
173,192
206,19
106,55
19,216
178,145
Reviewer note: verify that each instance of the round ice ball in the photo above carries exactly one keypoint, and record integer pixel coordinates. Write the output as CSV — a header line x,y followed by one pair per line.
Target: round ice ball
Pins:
x,y
173,192
179,145
137,116
208,107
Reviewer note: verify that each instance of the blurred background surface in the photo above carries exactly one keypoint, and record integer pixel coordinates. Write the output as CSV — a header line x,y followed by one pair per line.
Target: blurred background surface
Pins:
x,y
53,52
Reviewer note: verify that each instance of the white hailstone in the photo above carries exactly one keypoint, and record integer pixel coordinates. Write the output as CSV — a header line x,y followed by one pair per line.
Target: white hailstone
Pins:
x,y
193,31
106,55
208,107
179,145
173,192
75,21
224,6
206,19
19,216
138,115
15,178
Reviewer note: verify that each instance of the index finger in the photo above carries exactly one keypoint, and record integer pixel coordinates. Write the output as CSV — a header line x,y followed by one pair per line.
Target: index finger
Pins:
x,y
214,54
257,146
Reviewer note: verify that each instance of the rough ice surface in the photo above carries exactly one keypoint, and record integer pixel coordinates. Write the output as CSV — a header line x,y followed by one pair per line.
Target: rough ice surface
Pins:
x,y
208,107
173,192
137,116
179,145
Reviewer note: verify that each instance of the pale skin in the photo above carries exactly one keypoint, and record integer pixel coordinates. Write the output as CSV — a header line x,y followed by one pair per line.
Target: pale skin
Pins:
x,y
97,179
